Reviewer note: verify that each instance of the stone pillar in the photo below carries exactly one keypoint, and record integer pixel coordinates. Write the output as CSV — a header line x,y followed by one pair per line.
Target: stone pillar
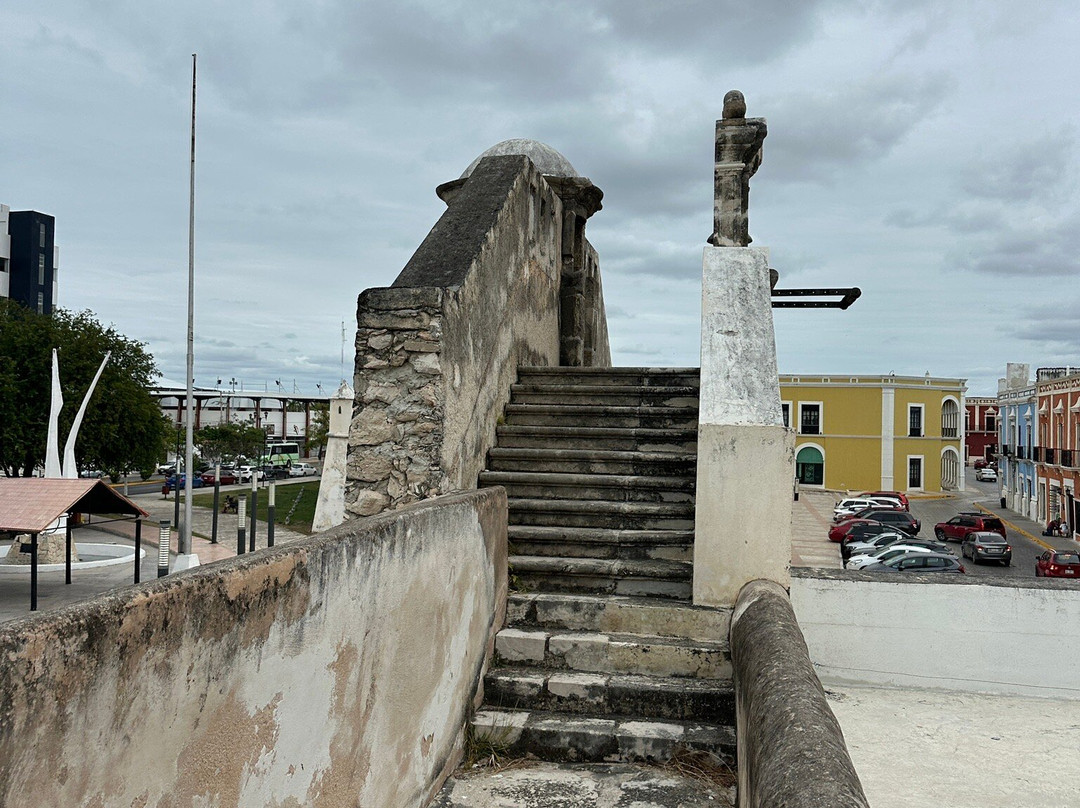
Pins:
x,y
330,509
745,472
396,437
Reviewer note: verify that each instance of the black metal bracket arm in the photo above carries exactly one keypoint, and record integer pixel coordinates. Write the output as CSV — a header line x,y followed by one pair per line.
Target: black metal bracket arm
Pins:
x,y
846,298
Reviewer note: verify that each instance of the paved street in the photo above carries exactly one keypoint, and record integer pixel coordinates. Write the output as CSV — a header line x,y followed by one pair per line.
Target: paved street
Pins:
x,y
53,593
811,517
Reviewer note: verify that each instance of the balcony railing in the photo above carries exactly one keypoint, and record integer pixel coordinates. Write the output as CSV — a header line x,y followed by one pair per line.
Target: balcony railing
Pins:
x,y
948,432
1067,457
1021,452
1006,450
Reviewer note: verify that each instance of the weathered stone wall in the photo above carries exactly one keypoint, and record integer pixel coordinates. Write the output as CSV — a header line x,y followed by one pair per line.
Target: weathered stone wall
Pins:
x,y
791,749
336,671
436,353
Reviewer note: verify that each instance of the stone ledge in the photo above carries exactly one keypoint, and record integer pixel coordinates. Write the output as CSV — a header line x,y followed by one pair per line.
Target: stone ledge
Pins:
x,y
790,746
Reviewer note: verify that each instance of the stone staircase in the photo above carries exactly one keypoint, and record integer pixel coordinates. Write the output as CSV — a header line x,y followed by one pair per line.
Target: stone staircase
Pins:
x,y
603,658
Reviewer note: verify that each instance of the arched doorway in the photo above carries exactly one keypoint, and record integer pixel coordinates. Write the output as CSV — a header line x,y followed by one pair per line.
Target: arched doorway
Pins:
x,y
810,466
950,469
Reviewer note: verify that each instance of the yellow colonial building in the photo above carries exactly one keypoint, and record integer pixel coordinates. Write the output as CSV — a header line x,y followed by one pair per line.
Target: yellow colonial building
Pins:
x,y
876,433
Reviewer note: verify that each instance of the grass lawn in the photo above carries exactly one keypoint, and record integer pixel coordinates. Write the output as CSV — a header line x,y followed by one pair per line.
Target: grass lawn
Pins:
x,y
294,509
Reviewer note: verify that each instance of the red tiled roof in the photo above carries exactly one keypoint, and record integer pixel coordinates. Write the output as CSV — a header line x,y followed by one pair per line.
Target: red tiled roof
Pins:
x,y
31,504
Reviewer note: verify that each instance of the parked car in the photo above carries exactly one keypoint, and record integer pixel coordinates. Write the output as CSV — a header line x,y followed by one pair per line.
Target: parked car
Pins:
x,y
918,562
872,543
271,472
986,546
244,473
1058,564
898,519
95,474
897,495
839,531
865,531
172,482
883,554
986,475
303,470
167,469
965,522
228,477
847,508
981,463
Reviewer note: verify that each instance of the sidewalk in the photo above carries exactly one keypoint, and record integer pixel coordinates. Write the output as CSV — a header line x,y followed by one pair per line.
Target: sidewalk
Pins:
x,y
202,528
811,518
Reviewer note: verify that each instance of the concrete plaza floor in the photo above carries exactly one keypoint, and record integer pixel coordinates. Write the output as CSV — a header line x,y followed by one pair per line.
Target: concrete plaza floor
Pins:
x,y
961,750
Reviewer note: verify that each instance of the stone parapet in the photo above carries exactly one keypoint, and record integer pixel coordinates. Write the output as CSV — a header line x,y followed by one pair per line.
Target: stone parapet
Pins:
x,y
338,669
791,749
503,280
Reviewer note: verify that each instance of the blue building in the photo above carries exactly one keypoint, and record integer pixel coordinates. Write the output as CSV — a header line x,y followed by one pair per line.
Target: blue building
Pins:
x,y
1018,426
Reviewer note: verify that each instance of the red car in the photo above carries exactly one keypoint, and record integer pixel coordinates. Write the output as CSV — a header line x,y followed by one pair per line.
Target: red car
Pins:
x,y
967,522
838,532
894,494
1057,564
227,478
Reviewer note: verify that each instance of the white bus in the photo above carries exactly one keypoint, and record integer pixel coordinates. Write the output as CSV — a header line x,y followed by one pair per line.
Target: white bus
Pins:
x,y
281,453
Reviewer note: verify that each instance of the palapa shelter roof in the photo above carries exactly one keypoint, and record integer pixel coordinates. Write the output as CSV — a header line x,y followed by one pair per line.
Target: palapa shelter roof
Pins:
x,y
31,504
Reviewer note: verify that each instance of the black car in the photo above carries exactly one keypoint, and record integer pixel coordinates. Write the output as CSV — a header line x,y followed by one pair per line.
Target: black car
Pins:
x,y
986,546
275,472
918,562
901,520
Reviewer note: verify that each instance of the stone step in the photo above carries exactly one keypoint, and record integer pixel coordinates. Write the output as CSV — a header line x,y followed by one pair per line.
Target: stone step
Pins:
x,y
610,487
617,615
563,737
597,652
625,439
598,542
605,395
585,415
596,694
655,377
592,542
599,576
585,461
600,513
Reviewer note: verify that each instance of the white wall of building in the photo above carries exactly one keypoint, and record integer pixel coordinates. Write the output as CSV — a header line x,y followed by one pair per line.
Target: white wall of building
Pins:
x,y
1019,638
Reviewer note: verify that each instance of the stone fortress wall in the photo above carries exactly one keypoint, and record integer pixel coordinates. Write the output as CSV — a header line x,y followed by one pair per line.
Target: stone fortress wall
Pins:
x,y
504,279
338,670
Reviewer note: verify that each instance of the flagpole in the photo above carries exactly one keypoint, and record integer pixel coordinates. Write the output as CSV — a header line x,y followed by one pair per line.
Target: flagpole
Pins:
x,y
189,451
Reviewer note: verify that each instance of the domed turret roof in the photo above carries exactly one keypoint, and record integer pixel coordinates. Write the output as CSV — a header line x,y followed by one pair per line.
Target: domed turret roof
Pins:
x,y
546,159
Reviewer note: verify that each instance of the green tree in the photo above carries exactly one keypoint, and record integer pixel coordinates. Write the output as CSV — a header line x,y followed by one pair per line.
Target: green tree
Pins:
x,y
123,429
320,427
227,441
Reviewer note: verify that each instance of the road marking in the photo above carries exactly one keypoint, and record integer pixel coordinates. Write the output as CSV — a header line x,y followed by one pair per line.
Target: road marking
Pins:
x,y
1019,530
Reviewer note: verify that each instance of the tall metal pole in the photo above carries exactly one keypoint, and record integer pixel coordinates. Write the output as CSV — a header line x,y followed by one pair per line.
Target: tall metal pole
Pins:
x,y
185,533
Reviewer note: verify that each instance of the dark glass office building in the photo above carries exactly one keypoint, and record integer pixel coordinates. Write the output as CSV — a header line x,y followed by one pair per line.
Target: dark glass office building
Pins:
x,y
27,265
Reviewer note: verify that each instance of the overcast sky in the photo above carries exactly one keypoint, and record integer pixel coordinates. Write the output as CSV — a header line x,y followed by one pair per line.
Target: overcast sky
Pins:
x,y
924,151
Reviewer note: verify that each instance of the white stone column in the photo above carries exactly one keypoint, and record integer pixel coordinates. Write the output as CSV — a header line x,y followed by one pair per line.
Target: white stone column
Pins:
x,y
746,471
888,436
330,509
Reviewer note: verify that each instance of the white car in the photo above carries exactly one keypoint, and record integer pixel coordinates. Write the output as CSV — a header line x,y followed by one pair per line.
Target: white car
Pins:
x,y
303,470
876,543
986,475
884,554
846,508
243,473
